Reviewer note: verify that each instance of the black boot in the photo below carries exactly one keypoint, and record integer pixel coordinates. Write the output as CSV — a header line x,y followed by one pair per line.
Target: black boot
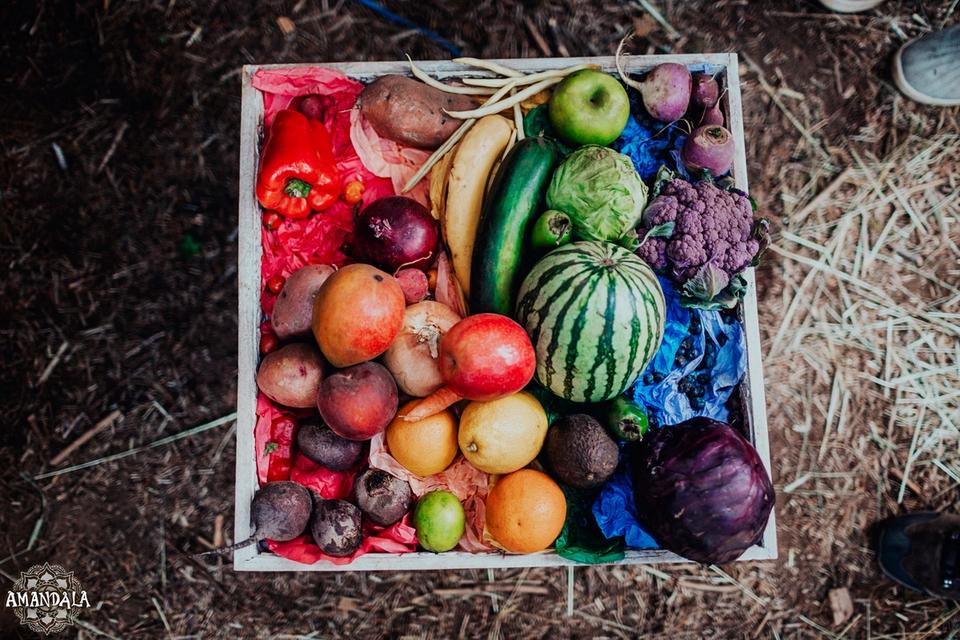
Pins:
x,y
921,551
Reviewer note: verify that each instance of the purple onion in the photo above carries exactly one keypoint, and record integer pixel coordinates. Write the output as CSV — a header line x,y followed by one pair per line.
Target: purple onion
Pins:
x,y
701,490
395,232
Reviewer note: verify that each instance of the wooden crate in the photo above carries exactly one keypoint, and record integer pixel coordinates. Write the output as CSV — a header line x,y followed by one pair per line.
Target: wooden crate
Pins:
x,y
251,126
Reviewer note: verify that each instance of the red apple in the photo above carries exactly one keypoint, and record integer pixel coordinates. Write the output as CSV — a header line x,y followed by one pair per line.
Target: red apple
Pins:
x,y
358,402
486,356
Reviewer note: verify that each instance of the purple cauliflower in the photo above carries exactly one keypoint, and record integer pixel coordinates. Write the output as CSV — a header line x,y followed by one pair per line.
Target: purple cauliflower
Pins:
x,y
712,238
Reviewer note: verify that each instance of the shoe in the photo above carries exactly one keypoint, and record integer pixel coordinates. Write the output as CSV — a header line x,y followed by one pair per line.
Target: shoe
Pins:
x,y
921,551
850,6
927,69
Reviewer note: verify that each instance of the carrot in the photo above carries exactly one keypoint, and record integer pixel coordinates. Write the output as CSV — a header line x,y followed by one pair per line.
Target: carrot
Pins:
x,y
432,404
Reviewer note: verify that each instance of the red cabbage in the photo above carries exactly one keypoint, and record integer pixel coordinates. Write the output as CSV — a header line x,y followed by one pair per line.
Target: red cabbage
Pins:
x,y
701,490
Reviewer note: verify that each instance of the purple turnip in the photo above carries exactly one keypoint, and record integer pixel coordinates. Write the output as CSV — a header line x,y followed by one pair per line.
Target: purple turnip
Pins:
x,y
713,115
706,92
709,147
280,511
666,91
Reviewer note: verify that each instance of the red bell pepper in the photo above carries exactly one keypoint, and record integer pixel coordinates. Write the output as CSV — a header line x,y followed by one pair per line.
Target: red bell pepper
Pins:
x,y
297,171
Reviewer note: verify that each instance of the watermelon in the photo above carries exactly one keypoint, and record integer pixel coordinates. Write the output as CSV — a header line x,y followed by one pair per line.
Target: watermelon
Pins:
x,y
595,314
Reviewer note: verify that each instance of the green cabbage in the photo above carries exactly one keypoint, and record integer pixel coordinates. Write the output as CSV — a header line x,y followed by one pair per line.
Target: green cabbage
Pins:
x,y
600,191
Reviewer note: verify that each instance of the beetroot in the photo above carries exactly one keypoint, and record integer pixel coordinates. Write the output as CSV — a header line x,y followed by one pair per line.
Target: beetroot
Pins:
x,y
382,498
280,511
395,232
336,527
709,147
318,442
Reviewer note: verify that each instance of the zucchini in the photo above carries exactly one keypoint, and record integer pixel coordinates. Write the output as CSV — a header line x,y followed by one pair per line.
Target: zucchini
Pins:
x,y
509,209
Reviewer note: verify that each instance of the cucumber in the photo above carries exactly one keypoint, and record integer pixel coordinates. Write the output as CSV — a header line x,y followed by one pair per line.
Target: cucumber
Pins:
x,y
509,210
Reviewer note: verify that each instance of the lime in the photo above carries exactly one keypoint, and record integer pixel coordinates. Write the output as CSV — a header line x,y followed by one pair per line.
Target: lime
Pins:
x,y
439,521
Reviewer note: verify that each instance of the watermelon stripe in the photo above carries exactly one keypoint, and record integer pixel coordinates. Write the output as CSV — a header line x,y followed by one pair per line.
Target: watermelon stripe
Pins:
x,y
575,331
605,350
634,329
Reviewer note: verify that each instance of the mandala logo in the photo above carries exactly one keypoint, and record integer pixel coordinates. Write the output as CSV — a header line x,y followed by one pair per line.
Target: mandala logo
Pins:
x,y
44,598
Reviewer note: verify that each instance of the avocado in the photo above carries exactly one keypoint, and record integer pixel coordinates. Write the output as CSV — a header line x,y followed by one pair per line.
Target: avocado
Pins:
x,y
579,451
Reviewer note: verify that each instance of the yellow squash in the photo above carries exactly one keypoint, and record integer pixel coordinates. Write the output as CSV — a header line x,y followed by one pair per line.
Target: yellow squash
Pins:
x,y
475,158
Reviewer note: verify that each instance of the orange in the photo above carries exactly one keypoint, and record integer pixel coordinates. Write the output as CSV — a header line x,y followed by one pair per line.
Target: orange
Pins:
x,y
424,447
525,511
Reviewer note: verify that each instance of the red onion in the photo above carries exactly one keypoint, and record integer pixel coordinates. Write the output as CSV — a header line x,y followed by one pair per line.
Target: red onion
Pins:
x,y
709,147
395,232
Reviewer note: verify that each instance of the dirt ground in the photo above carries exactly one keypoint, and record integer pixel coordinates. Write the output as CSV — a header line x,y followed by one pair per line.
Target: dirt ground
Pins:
x,y
118,163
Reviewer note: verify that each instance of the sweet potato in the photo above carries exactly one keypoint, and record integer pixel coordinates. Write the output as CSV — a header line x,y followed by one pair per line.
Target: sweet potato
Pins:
x,y
293,310
410,112
291,375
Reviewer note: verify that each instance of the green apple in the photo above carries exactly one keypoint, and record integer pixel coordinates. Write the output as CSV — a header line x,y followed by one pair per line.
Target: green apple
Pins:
x,y
589,107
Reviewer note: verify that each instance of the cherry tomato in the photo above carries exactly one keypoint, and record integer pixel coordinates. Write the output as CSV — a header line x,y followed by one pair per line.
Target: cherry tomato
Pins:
x,y
268,342
275,283
353,192
272,220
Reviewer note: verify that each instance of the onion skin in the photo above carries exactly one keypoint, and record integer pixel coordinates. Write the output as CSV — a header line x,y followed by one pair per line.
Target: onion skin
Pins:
x,y
708,147
666,91
706,92
701,490
395,232
414,357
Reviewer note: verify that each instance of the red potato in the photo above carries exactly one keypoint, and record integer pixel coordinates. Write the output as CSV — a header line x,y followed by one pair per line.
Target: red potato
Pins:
x,y
410,112
414,355
357,313
359,402
293,311
291,375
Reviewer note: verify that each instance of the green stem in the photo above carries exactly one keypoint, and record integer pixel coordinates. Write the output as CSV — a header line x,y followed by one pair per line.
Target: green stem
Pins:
x,y
297,188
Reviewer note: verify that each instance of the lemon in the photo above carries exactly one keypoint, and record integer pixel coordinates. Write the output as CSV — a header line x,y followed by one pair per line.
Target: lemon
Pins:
x,y
501,436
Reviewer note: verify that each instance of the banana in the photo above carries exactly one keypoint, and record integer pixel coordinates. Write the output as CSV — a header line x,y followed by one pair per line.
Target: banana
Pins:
x,y
475,159
438,183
